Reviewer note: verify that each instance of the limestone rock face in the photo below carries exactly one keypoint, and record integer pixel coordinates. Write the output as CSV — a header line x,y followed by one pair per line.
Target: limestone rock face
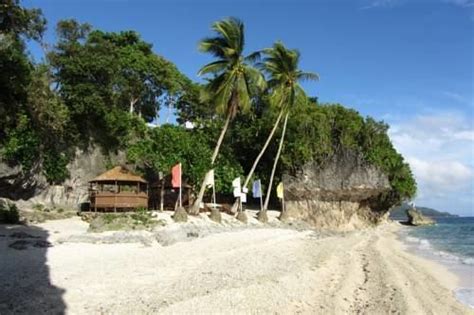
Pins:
x,y
341,194
416,218
33,188
17,184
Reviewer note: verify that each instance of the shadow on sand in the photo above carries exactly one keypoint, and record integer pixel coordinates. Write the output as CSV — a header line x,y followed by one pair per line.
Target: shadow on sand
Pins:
x,y
25,282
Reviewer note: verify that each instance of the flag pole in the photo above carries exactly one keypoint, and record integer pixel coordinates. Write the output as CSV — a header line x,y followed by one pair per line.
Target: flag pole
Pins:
x,y
214,195
283,201
180,185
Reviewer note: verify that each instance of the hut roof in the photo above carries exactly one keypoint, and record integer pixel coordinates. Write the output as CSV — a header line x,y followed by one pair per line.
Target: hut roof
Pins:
x,y
119,173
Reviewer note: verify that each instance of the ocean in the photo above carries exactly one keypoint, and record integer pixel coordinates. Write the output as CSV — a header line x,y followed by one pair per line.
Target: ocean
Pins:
x,y
450,242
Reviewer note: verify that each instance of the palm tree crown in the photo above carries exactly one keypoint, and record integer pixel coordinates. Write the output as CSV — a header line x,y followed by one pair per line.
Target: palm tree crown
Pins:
x,y
234,78
281,66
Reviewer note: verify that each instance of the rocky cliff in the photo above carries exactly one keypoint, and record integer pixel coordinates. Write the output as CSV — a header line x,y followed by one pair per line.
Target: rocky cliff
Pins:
x,y
341,194
416,218
28,188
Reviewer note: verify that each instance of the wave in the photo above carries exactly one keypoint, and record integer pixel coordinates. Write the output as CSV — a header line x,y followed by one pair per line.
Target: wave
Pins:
x,y
424,244
466,296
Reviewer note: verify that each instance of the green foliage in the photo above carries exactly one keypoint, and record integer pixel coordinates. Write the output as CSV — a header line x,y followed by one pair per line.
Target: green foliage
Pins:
x,y
9,214
102,76
142,216
234,80
167,145
22,144
16,25
54,167
284,77
317,132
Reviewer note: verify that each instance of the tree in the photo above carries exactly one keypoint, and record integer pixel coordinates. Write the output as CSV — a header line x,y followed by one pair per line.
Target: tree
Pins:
x,y
102,76
281,65
17,24
233,81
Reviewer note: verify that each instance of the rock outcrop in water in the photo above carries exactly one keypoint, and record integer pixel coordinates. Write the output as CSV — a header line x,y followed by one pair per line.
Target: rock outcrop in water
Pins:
x,y
416,218
341,194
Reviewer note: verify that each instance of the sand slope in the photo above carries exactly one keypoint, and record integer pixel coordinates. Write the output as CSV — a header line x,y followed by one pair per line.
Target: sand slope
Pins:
x,y
251,271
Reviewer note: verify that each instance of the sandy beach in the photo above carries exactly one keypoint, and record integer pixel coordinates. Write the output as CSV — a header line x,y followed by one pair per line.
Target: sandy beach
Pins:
x,y
249,270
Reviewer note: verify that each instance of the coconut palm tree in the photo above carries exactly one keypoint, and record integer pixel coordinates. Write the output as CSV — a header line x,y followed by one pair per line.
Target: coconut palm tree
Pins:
x,y
233,78
281,66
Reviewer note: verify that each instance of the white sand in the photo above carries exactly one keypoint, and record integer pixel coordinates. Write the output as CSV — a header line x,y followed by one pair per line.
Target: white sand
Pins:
x,y
263,271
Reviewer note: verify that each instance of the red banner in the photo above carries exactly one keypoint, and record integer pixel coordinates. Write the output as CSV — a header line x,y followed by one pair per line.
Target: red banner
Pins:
x,y
176,176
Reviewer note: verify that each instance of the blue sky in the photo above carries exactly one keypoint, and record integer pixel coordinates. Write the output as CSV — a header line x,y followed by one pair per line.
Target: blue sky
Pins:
x,y
409,63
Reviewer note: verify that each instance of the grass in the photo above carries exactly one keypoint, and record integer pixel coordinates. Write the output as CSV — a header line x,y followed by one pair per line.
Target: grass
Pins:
x,y
139,220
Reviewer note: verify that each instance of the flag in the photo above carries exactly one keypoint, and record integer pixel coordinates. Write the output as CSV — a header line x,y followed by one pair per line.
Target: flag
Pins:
x,y
243,197
236,185
280,190
257,189
176,176
209,179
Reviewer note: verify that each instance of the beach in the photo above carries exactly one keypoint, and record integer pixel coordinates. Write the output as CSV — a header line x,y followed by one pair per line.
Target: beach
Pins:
x,y
246,270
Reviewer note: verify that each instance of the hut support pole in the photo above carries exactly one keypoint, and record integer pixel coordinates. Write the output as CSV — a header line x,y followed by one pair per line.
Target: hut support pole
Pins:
x,y
115,197
162,194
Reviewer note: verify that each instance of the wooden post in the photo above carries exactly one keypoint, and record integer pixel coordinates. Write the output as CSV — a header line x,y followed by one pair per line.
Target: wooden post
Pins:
x,y
115,197
214,196
283,201
162,194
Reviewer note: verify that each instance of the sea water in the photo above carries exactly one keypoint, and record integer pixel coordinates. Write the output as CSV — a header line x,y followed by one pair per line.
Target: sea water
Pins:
x,y
450,242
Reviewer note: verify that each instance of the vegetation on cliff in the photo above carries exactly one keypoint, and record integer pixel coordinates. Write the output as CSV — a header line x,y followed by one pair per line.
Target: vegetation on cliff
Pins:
x,y
96,87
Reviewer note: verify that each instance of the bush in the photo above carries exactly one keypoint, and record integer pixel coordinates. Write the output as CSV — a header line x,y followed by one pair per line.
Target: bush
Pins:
x,y
55,167
9,214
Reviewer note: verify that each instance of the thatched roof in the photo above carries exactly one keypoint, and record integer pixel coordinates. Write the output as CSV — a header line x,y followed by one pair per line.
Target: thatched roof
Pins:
x,y
119,173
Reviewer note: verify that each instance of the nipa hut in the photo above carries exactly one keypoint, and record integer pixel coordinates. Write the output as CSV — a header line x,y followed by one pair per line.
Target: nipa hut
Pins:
x,y
118,189
163,196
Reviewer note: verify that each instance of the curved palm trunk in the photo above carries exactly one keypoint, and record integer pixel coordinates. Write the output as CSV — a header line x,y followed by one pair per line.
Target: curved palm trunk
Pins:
x,y
275,163
255,163
197,203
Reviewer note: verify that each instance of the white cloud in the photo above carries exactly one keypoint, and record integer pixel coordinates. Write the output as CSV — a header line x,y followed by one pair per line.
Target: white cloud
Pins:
x,y
379,3
456,97
461,3
440,150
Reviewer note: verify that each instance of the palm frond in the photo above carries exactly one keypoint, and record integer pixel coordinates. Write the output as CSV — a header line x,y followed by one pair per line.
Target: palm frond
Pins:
x,y
253,57
213,67
307,76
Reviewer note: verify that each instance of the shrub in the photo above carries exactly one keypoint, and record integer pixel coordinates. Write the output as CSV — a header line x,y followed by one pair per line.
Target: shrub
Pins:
x,y
9,214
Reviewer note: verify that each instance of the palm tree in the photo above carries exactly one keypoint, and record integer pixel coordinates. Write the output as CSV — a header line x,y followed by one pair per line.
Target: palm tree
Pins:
x,y
281,65
233,78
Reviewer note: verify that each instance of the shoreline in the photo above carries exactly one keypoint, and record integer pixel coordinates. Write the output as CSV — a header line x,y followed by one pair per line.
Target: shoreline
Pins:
x,y
464,289
253,269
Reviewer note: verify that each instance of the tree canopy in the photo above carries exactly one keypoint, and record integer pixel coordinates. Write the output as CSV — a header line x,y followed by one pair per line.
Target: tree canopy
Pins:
x,y
101,88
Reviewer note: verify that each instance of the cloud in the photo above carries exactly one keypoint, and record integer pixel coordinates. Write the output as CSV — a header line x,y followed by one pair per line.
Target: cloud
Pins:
x,y
372,4
455,97
461,3
439,146
379,3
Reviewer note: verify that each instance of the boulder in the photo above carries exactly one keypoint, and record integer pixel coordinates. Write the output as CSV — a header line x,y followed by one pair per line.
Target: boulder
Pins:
x,y
416,218
341,194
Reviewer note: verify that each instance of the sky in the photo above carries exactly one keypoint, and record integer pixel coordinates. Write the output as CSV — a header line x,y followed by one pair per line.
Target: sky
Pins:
x,y
409,63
